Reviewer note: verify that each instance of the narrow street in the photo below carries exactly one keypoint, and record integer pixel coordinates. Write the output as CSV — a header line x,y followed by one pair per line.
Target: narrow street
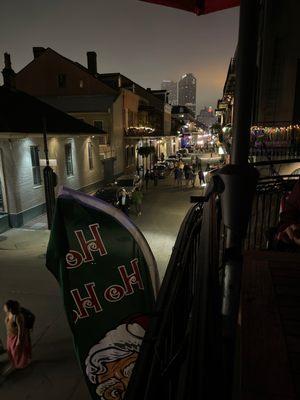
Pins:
x,y
54,372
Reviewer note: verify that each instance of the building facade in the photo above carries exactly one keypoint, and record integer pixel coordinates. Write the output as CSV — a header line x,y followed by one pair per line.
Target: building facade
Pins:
x,y
278,63
187,91
171,88
79,92
73,152
109,101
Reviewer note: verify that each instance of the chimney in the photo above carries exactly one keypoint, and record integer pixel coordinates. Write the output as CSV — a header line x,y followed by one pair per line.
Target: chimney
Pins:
x,y
8,73
92,62
37,51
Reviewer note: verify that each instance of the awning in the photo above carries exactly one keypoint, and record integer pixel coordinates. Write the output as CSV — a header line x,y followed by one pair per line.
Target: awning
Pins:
x,y
198,6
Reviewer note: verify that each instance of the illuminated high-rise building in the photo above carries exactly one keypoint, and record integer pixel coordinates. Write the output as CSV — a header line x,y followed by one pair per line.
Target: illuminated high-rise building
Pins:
x,y
171,88
187,91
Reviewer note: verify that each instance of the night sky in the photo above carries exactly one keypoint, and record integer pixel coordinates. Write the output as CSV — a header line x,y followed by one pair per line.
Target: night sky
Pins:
x,y
146,42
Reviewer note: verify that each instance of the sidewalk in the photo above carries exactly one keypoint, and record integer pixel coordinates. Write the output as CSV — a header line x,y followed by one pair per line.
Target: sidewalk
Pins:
x,y
54,373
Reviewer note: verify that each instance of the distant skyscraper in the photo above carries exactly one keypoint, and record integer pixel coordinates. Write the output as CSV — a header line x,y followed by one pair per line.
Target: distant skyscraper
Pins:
x,y
171,87
207,116
187,91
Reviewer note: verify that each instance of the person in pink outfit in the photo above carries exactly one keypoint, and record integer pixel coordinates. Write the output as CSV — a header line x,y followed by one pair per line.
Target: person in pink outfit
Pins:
x,y
18,336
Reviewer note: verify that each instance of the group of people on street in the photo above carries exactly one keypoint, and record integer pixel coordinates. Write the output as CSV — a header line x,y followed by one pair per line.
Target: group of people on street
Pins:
x,y
135,197
18,326
187,173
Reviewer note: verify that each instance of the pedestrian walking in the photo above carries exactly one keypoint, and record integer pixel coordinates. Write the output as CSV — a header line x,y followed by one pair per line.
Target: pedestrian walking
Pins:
x,y
18,335
137,198
147,177
201,177
137,182
193,177
186,169
180,177
123,201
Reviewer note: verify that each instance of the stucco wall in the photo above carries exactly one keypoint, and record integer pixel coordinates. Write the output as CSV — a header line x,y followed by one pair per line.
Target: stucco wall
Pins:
x,y
22,194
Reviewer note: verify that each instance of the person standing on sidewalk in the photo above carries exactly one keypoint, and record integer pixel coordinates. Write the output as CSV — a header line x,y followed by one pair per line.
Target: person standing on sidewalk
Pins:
x,y
201,177
137,198
123,201
18,336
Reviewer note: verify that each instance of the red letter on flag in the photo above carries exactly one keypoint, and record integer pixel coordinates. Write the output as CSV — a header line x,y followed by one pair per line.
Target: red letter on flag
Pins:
x,y
88,246
87,302
132,279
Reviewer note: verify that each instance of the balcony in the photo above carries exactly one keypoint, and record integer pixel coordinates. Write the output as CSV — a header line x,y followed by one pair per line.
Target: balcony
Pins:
x,y
142,131
192,333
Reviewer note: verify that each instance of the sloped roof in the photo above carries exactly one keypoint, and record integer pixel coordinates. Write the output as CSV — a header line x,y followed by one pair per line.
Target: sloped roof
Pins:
x,y
22,113
96,103
75,63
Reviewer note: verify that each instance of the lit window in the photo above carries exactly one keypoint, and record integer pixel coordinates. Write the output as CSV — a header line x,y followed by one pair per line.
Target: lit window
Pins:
x,y
81,84
35,162
90,155
68,159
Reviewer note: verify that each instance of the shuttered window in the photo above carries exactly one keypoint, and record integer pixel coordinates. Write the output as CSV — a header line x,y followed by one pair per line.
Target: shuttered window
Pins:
x,y
69,159
35,162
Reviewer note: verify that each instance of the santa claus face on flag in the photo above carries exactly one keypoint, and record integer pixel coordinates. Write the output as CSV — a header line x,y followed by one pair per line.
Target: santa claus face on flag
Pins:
x,y
110,362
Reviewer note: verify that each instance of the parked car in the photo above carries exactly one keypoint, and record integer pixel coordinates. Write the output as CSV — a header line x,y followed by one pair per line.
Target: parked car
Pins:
x,y
109,193
126,181
161,170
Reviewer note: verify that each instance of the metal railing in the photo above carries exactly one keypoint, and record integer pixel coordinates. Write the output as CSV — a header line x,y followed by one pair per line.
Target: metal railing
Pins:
x,y
181,355
266,209
186,352
272,150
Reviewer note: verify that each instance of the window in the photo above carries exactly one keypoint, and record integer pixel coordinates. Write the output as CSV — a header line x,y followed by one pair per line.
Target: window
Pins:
x,y
61,80
90,155
35,162
81,84
69,160
98,124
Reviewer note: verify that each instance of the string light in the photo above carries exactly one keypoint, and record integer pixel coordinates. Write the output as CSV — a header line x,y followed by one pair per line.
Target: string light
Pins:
x,y
284,133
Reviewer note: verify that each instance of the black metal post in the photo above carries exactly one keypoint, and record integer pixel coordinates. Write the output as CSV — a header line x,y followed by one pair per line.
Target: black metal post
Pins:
x,y
245,80
240,181
49,180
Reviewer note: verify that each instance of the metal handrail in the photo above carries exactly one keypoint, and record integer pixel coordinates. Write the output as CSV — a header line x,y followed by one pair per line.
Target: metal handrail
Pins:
x,y
183,342
266,209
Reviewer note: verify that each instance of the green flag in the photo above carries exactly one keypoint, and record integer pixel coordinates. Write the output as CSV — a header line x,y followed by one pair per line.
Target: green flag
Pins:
x,y
109,281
